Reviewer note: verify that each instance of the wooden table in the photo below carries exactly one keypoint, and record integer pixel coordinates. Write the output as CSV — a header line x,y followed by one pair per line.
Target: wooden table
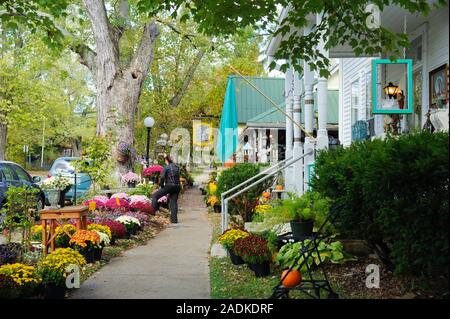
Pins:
x,y
53,217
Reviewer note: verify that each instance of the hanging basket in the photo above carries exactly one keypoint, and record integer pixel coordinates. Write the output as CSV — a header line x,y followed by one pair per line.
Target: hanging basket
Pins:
x,y
122,158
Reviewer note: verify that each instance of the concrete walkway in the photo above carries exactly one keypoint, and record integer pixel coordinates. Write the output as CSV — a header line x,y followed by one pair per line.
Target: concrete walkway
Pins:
x,y
172,265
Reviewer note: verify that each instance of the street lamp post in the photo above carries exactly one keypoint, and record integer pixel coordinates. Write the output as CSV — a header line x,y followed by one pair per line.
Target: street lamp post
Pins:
x,y
148,122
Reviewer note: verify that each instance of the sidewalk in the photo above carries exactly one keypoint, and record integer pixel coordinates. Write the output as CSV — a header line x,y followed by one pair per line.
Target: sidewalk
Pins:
x,y
172,265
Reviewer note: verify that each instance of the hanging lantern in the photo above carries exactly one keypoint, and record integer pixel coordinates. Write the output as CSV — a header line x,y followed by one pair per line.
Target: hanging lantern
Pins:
x,y
391,90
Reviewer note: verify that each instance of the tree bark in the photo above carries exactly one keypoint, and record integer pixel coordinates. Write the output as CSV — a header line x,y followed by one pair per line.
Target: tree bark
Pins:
x,y
118,88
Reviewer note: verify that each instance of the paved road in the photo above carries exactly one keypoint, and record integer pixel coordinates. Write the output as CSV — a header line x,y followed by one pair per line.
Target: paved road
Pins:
x,y
172,265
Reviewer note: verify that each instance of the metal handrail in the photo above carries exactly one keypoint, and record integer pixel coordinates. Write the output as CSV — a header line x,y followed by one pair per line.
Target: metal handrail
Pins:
x,y
246,182
225,200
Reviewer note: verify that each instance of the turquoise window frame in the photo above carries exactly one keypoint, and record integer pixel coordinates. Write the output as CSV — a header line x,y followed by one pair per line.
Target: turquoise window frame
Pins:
x,y
409,70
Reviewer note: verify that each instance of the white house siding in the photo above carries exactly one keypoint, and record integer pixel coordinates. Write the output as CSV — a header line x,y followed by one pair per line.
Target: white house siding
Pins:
x,y
437,39
353,69
435,51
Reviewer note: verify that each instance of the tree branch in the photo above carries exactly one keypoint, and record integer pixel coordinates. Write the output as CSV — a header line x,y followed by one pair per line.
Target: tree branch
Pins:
x,y
88,57
144,54
175,101
174,28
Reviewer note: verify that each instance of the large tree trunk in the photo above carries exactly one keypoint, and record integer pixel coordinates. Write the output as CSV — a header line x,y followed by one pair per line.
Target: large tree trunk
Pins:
x,y
118,87
3,131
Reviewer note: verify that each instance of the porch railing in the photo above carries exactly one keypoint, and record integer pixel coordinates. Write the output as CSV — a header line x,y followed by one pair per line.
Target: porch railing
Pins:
x,y
264,175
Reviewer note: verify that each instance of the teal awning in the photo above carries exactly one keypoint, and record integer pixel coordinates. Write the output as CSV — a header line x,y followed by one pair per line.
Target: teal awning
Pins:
x,y
227,140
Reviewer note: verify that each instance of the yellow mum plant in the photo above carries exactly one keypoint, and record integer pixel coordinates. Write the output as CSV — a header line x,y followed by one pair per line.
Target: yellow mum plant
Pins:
x,y
61,258
213,200
100,228
22,275
229,236
212,188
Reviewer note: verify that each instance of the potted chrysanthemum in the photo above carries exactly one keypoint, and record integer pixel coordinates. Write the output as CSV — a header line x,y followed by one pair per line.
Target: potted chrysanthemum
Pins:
x,y
53,271
254,250
85,242
228,239
131,179
131,224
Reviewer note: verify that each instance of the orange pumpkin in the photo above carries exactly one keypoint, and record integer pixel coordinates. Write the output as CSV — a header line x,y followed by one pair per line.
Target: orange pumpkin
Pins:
x,y
266,194
279,187
292,279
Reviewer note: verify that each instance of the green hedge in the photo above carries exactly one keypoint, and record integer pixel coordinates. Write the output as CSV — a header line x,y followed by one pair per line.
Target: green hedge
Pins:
x,y
394,194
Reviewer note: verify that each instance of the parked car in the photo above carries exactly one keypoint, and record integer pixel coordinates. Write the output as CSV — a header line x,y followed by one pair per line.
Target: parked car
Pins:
x,y
12,174
65,167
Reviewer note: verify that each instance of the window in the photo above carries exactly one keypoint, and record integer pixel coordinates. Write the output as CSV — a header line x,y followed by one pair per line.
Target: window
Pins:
x,y
23,176
355,101
415,51
369,114
8,173
414,119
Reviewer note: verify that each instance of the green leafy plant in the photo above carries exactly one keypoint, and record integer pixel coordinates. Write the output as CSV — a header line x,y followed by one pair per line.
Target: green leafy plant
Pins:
x,y
20,210
96,161
394,194
290,255
245,203
311,206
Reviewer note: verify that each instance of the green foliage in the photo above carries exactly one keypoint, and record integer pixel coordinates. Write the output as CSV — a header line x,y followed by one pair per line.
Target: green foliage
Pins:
x,y
21,207
343,23
394,194
245,203
311,206
142,189
96,161
290,255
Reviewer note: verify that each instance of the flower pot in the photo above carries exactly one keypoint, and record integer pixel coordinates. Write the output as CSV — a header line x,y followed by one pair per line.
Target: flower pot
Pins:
x,y
62,198
54,292
261,270
53,196
235,259
131,184
88,254
98,253
302,229
217,209
112,241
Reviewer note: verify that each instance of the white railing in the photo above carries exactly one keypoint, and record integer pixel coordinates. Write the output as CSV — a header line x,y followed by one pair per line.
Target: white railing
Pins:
x,y
266,174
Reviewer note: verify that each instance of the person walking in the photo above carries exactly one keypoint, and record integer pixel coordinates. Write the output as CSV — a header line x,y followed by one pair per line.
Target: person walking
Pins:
x,y
170,184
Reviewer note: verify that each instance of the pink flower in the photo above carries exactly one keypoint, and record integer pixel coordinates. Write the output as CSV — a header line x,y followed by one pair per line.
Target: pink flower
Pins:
x,y
149,171
130,177
163,199
120,195
114,203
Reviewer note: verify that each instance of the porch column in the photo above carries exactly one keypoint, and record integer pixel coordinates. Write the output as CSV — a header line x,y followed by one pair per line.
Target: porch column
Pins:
x,y
289,89
252,142
322,101
274,145
262,146
309,120
298,149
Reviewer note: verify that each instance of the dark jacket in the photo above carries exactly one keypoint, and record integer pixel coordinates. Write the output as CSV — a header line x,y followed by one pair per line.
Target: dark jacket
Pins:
x,y
170,175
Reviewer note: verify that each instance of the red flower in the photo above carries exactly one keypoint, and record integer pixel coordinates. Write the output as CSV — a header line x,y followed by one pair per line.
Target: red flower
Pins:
x,y
118,230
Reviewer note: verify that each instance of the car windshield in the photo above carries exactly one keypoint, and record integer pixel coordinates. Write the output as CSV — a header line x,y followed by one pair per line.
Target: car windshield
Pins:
x,y
66,166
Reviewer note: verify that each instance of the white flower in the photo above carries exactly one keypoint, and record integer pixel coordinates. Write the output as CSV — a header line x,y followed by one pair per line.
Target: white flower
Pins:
x,y
128,220
104,238
57,182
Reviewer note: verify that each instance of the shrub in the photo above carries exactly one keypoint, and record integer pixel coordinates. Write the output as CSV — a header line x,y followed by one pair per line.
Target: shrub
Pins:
x,y
245,203
253,249
394,194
